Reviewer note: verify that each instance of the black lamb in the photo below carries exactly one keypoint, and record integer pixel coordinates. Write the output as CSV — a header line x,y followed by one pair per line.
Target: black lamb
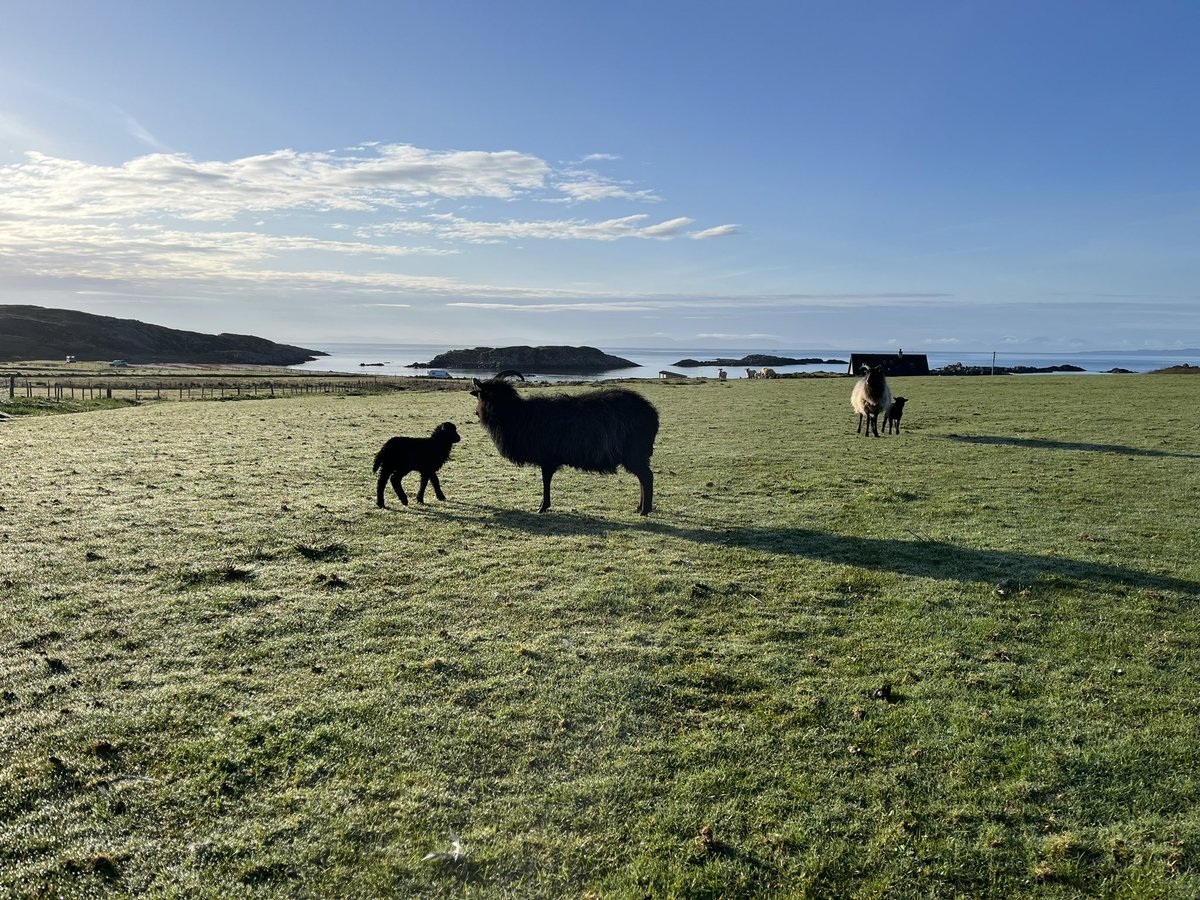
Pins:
x,y
595,431
893,415
401,455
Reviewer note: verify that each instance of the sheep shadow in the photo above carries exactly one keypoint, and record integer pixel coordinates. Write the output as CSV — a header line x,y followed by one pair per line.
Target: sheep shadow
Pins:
x,y
920,558
1043,444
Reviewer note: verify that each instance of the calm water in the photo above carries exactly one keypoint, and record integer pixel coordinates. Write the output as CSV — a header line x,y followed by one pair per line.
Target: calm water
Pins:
x,y
396,358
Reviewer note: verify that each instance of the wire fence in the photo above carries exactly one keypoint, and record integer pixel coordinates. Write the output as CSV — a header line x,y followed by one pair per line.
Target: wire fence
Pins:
x,y
166,388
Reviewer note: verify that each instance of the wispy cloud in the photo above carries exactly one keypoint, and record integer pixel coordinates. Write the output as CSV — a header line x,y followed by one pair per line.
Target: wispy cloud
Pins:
x,y
453,227
136,130
596,306
594,302
588,187
724,336
176,185
718,231
167,216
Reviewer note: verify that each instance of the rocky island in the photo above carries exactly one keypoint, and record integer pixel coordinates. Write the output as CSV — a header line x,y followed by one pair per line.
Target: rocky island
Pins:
x,y
759,359
559,360
960,369
35,332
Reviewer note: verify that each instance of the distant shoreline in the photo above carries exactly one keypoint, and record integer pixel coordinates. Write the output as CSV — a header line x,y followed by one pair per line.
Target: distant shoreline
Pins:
x,y
649,361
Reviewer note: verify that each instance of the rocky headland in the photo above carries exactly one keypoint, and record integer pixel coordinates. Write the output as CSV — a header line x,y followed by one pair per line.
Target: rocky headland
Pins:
x,y
35,332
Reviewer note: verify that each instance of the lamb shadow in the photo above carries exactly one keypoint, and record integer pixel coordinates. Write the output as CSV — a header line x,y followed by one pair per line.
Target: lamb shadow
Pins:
x,y
938,560
1042,444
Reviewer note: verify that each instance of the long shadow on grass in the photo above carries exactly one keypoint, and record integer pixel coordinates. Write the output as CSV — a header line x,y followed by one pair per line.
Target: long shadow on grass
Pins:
x,y
1041,444
921,558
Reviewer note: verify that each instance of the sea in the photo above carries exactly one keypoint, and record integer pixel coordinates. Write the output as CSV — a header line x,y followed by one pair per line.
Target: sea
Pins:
x,y
395,359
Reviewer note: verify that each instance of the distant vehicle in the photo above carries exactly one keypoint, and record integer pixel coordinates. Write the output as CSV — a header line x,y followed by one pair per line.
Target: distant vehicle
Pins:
x,y
70,359
119,364
438,373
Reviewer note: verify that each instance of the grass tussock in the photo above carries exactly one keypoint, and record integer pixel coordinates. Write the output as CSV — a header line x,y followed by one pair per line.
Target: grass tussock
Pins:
x,y
958,662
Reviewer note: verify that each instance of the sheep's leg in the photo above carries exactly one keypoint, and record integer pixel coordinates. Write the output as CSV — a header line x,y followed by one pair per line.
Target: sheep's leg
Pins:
x,y
860,418
396,476
547,474
645,477
873,423
380,487
421,489
437,486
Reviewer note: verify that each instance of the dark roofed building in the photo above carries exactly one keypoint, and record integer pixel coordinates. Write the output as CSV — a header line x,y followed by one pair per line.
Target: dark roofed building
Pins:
x,y
893,363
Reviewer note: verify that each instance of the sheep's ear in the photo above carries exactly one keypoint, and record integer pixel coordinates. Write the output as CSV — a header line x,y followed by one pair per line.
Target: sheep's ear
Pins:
x,y
477,385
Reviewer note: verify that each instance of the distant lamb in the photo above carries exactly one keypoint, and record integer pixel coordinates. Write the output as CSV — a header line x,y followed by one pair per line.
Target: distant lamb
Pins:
x,y
893,415
870,397
401,455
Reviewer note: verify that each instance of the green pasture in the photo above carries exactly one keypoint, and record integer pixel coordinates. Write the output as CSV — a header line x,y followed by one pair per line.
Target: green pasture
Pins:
x,y
964,661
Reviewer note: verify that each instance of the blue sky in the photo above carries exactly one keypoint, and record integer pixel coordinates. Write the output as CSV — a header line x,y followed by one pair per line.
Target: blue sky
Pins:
x,y
930,175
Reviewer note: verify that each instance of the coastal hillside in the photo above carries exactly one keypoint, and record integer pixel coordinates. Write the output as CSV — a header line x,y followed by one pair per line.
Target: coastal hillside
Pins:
x,y
34,332
556,359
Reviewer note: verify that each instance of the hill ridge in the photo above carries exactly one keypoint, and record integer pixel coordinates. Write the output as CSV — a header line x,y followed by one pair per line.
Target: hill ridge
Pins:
x,y
37,332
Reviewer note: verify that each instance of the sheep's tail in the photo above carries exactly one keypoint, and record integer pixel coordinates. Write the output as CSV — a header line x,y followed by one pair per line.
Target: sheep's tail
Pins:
x,y
378,460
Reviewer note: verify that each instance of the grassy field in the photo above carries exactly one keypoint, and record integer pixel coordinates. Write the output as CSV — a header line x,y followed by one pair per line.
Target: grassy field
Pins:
x,y
223,672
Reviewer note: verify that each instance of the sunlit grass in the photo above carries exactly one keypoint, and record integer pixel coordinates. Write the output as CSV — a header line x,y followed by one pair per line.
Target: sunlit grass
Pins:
x,y
223,671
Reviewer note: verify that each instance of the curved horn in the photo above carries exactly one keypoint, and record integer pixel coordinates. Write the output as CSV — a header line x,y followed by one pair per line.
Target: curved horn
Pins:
x,y
508,373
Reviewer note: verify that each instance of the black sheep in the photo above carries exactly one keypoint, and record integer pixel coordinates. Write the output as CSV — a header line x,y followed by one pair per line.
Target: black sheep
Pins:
x,y
595,431
893,415
401,455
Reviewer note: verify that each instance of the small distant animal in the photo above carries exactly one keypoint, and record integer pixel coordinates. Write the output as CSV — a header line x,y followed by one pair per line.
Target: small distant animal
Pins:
x,y
750,373
722,374
595,431
870,397
401,455
767,372
892,416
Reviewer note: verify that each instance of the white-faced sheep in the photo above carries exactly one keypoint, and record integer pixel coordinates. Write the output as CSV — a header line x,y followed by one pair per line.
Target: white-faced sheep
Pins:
x,y
595,431
892,417
871,397
401,455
